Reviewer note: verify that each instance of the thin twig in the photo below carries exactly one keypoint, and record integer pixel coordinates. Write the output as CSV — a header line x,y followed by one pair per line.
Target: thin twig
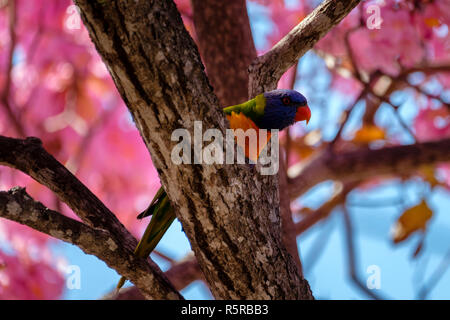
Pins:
x,y
351,255
164,256
429,95
351,55
374,204
318,247
346,116
397,115
435,277
322,212
267,69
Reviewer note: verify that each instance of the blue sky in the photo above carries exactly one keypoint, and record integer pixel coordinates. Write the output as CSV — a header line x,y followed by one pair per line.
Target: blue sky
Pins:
x,y
322,248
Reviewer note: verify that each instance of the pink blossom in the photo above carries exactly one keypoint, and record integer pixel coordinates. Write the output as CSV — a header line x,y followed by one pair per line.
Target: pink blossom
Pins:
x,y
27,279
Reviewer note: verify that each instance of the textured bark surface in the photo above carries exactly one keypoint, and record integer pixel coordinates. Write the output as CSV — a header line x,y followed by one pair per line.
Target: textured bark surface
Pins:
x,y
235,234
226,46
366,163
181,274
268,68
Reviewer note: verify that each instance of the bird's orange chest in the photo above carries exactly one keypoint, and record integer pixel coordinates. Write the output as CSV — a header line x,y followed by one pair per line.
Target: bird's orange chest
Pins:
x,y
240,121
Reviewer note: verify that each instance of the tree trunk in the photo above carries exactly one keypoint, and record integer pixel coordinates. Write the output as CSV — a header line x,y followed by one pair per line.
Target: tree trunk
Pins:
x,y
234,233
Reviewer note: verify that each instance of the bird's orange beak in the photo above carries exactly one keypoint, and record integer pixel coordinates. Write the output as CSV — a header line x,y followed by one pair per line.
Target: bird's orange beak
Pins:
x,y
303,113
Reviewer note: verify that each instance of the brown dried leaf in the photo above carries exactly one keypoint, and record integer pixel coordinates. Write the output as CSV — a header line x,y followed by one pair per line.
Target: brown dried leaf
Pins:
x,y
413,219
368,133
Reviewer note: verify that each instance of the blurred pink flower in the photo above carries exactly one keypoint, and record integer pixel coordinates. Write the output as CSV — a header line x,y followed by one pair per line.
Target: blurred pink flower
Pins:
x,y
26,279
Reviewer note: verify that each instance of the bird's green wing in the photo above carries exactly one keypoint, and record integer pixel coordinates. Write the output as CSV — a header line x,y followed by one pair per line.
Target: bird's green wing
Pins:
x,y
159,196
162,217
253,108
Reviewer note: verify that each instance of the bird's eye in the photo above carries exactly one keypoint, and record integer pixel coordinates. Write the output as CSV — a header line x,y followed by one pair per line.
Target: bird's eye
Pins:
x,y
286,100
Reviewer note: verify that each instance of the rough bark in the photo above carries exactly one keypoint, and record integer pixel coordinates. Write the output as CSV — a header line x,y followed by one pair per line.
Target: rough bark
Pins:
x,y
17,205
180,274
226,45
367,163
267,69
235,234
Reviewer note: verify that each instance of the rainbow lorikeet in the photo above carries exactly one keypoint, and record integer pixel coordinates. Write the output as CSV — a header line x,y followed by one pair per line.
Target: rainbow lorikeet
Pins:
x,y
275,109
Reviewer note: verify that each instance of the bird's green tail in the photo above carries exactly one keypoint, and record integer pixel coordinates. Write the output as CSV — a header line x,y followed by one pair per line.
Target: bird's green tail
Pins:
x,y
162,217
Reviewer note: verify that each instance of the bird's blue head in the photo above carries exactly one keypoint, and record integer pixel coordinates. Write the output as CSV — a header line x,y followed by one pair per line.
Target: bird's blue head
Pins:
x,y
283,108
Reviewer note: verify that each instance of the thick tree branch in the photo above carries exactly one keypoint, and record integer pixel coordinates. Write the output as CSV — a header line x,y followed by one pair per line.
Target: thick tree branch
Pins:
x,y
17,205
366,163
181,274
226,46
267,69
